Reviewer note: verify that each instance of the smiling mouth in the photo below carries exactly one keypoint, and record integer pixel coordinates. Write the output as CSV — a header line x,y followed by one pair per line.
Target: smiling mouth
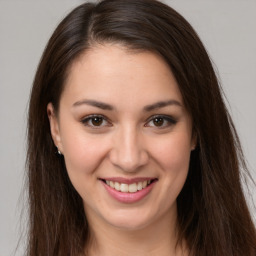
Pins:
x,y
129,188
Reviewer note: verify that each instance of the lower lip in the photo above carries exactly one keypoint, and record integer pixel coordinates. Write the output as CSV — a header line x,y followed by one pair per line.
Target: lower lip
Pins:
x,y
128,197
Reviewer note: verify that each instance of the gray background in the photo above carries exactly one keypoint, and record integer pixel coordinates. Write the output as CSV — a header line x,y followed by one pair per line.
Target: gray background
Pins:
x,y
227,28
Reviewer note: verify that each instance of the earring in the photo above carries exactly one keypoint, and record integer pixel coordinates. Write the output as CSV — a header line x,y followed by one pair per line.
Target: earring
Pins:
x,y
58,151
193,148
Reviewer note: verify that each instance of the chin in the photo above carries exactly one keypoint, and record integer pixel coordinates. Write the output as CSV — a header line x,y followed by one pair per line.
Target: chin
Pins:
x,y
132,219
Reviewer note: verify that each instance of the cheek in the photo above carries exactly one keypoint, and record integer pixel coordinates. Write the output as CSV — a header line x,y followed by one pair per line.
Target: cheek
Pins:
x,y
83,153
174,161
173,153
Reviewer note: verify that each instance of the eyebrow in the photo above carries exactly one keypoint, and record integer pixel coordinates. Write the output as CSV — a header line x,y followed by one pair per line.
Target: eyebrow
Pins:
x,y
147,108
162,104
94,103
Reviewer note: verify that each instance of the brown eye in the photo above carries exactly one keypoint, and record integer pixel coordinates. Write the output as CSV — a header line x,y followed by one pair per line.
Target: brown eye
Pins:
x,y
161,121
158,121
97,121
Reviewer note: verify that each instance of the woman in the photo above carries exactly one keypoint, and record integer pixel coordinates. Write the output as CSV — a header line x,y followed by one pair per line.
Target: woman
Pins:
x,y
131,150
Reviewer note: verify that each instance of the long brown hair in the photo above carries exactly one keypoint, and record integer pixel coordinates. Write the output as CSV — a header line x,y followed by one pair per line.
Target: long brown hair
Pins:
x,y
213,216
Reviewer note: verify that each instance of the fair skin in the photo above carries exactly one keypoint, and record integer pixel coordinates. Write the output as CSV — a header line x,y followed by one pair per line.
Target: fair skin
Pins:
x,y
122,123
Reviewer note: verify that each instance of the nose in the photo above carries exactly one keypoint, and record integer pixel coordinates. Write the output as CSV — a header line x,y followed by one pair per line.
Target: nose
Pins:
x,y
128,151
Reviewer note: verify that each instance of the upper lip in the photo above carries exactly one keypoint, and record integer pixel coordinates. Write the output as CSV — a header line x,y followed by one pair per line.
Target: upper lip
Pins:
x,y
128,180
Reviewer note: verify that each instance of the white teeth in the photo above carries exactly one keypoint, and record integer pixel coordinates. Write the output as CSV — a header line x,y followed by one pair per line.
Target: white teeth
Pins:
x,y
132,188
117,186
124,187
112,184
139,186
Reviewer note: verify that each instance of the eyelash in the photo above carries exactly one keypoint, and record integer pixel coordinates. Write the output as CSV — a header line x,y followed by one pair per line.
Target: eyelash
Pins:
x,y
89,118
167,120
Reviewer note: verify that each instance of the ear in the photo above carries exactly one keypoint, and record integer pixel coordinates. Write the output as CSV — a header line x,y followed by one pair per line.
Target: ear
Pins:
x,y
54,126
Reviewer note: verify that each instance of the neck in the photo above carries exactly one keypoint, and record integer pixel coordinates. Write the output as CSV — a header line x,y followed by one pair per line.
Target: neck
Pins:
x,y
158,238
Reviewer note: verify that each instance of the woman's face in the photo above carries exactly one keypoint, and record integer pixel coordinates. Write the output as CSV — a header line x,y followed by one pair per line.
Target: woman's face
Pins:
x,y
125,136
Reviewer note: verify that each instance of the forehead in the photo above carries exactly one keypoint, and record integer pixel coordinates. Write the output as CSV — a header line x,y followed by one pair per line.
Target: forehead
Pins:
x,y
109,71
